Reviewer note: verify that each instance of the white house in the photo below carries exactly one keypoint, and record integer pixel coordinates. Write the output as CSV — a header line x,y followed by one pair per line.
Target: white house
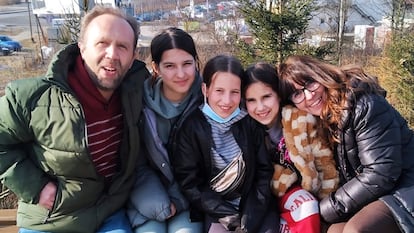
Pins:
x,y
62,7
364,18
366,12
59,13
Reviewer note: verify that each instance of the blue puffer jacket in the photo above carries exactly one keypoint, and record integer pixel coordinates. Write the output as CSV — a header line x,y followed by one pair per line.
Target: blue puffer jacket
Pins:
x,y
376,161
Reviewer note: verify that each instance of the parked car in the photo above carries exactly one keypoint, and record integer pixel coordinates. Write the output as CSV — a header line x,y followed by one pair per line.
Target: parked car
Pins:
x,y
8,42
149,16
4,51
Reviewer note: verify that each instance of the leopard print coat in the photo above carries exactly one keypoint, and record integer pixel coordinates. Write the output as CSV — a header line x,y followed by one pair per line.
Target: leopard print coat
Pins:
x,y
312,158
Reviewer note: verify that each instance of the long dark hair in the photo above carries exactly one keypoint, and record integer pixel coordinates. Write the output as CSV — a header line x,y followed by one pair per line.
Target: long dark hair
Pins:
x,y
223,63
262,72
342,84
172,38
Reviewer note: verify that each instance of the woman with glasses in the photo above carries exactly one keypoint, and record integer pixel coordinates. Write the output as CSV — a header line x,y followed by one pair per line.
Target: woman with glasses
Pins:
x,y
373,144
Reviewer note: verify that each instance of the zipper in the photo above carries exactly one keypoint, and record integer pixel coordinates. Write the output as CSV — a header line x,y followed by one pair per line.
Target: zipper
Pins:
x,y
47,217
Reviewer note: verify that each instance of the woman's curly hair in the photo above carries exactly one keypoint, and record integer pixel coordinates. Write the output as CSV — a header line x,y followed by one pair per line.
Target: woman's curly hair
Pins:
x,y
342,86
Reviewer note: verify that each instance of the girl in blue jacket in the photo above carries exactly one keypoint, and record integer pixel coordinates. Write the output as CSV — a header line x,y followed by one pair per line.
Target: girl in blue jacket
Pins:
x,y
156,202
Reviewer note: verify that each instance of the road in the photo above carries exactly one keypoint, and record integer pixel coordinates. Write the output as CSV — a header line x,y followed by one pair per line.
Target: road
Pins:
x,y
16,17
14,20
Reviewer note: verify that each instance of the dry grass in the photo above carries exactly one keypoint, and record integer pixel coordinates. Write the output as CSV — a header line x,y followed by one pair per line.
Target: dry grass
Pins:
x,y
17,66
24,64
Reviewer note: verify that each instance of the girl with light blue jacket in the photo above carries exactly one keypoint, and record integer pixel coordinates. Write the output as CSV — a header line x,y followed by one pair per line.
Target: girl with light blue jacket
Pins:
x,y
156,202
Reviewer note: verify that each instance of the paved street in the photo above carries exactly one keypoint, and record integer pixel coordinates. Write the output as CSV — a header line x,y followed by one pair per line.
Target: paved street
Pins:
x,y
16,17
12,14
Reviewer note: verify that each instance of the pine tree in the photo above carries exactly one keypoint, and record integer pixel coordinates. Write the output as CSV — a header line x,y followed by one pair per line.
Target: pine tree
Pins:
x,y
277,27
400,51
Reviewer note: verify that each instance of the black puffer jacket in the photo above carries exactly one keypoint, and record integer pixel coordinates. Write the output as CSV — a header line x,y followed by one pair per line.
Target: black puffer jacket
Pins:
x,y
191,161
376,161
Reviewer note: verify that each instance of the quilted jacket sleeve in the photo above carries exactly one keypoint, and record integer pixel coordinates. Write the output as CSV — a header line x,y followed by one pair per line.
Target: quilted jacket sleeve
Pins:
x,y
369,156
149,199
15,163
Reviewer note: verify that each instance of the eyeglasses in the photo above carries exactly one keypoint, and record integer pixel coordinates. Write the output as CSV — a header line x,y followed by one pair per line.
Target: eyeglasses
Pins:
x,y
299,95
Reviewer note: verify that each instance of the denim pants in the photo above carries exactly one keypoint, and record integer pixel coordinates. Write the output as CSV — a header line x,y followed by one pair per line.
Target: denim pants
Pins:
x,y
177,224
116,223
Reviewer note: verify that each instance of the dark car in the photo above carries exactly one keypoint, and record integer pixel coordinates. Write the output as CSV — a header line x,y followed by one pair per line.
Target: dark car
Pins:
x,y
149,16
4,51
8,42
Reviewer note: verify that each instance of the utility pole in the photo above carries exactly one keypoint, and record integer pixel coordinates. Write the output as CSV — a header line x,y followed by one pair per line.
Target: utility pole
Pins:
x,y
30,20
192,8
341,26
207,7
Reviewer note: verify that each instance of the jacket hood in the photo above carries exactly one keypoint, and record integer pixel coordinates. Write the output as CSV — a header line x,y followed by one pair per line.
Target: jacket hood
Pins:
x,y
61,63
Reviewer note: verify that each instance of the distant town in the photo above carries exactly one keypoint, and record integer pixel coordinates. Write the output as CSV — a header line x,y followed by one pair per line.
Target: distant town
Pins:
x,y
367,22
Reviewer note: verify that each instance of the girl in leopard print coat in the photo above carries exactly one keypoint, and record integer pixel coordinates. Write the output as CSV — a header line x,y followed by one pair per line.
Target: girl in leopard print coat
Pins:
x,y
304,165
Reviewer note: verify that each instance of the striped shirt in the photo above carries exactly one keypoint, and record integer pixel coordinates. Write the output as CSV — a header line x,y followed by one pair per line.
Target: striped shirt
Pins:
x,y
104,139
225,147
104,120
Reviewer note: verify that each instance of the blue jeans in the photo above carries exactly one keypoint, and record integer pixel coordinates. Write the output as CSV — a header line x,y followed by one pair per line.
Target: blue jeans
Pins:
x,y
177,224
116,223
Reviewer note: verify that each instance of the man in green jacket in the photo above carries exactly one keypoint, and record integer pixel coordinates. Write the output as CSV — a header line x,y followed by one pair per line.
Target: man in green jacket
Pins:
x,y
69,140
